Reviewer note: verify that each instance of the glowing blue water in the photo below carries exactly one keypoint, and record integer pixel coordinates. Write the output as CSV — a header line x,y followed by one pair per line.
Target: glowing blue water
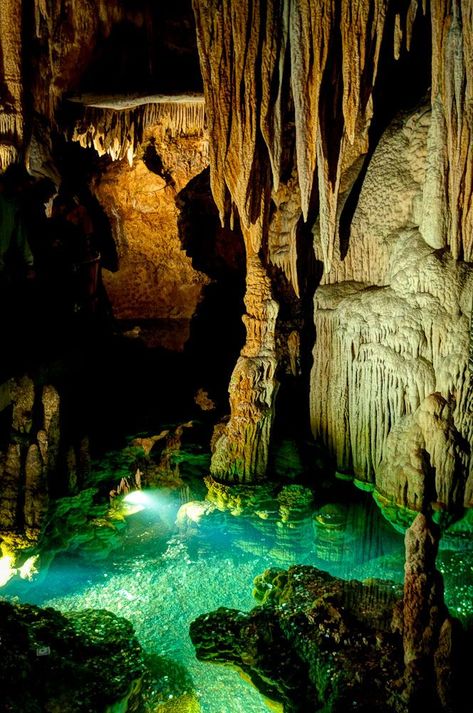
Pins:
x,y
161,581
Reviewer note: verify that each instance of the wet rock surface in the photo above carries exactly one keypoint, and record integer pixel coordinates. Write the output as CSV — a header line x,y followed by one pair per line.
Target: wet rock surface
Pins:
x,y
316,642
81,662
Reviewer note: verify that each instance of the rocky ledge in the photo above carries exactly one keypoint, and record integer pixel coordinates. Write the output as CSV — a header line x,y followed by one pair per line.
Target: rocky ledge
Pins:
x,y
316,642
80,662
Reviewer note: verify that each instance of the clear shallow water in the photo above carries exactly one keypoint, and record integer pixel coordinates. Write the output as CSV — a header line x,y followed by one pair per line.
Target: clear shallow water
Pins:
x,y
161,580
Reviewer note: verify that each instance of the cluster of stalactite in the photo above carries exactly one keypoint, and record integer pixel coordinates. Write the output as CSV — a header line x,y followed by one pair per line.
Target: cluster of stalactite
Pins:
x,y
46,64
268,65
449,183
328,54
119,132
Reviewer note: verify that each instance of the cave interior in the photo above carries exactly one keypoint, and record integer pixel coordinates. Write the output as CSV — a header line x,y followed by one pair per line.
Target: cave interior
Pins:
x,y
236,404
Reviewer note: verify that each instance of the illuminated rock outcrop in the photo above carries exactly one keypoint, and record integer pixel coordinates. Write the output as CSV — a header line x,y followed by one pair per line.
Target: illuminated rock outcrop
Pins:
x,y
393,338
156,279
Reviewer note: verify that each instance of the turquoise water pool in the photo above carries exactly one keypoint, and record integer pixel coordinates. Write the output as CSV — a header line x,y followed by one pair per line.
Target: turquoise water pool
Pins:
x,y
161,578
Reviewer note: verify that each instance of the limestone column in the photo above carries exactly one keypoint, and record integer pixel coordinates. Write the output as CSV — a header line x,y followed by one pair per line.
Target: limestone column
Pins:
x,y
241,449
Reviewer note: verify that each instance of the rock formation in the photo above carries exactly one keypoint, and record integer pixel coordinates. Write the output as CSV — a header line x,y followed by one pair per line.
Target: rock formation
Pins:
x,y
417,155
315,642
156,279
11,85
431,638
82,661
29,461
393,337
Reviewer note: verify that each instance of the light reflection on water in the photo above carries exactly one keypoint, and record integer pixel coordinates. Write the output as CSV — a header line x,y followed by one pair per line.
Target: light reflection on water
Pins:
x,y
161,580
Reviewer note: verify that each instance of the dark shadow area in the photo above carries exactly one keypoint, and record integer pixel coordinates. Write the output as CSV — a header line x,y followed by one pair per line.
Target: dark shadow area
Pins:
x,y
56,323
217,333
154,163
157,52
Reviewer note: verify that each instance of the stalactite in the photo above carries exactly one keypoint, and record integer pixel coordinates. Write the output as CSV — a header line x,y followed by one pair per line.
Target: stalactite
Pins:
x,y
275,42
8,155
282,243
119,132
450,173
244,82
361,42
11,90
310,33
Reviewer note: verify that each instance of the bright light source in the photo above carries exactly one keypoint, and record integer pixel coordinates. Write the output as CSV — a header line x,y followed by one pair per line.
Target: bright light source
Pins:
x,y
137,497
7,570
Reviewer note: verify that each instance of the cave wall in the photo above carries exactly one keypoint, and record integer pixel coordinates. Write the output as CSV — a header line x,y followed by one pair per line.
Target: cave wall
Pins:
x,y
392,323
156,279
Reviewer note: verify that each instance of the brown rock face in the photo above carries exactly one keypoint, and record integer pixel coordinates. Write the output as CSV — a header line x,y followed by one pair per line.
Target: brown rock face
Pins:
x,y
11,85
30,459
155,279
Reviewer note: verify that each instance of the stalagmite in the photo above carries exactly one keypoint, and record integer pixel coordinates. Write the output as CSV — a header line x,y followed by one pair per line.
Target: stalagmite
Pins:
x,y
241,449
431,639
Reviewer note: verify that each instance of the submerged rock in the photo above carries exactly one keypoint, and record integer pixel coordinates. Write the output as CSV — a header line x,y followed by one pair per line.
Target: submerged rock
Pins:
x,y
80,662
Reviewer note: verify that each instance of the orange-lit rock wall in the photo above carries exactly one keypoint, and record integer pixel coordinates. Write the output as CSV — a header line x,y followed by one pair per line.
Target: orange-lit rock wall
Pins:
x,y
155,279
